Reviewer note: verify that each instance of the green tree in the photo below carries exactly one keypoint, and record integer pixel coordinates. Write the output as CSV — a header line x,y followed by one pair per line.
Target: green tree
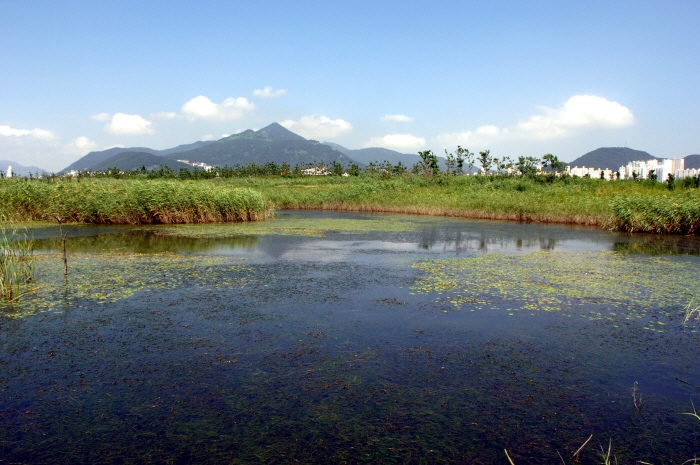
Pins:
x,y
337,169
485,160
552,163
429,162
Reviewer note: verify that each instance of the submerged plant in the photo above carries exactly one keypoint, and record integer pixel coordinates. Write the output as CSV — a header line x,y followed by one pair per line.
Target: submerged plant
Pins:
x,y
16,263
689,311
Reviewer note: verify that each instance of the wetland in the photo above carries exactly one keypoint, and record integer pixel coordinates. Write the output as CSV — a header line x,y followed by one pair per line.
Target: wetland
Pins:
x,y
338,337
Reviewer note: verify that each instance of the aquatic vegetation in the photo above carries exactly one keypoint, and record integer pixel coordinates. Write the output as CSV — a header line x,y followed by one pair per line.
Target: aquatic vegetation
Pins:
x,y
309,226
110,277
690,311
16,263
628,284
113,201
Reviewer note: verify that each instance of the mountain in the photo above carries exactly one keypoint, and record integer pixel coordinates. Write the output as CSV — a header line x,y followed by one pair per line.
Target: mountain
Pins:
x,y
93,159
377,155
19,170
273,143
183,148
691,161
127,161
610,157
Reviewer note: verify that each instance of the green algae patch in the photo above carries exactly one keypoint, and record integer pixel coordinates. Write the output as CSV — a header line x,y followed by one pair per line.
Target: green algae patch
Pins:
x,y
546,281
312,226
104,278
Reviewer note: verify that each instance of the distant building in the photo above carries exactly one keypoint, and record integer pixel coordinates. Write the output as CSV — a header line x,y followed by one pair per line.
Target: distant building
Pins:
x,y
640,169
590,172
8,174
197,164
317,171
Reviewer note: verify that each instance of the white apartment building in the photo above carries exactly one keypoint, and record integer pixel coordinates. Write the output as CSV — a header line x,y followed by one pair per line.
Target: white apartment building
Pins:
x,y
674,166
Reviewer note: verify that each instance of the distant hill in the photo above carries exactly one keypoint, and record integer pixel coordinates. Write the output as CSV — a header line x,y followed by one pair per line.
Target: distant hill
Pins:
x,y
380,155
93,159
377,155
19,170
273,143
610,157
127,161
692,161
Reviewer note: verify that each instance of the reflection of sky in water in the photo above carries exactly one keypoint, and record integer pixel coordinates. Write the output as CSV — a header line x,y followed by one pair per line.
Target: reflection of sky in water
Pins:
x,y
422,237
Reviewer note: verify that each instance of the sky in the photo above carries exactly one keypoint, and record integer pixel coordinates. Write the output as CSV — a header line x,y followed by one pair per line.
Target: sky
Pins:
x,y
516,78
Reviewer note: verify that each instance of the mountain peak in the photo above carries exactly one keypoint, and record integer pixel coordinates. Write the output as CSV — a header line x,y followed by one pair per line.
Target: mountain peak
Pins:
x,y
277,132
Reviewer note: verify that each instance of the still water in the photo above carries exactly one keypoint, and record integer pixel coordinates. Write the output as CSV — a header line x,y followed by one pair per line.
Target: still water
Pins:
x,y
353,338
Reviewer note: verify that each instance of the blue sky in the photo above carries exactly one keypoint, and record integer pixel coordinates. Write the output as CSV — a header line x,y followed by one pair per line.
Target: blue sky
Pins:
x,y
518,78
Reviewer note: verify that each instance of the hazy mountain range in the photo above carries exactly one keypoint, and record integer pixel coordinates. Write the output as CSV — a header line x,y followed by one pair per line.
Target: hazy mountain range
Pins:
x,y
18,169
276,144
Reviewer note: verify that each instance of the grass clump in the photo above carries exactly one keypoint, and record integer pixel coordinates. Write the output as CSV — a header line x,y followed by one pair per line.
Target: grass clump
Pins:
x,y
126,201
658,214
16,263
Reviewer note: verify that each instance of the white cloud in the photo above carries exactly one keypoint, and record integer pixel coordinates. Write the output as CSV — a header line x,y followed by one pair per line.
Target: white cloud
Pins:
x,y
225,135
37,133
313,127
397,118
269,92
203,108
397,141
577,114
164,115
101,117
129,125
580,111
83,144
207,137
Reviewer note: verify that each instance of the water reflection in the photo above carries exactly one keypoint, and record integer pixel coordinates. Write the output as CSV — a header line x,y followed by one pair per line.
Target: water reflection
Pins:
x,y
423,235
145,242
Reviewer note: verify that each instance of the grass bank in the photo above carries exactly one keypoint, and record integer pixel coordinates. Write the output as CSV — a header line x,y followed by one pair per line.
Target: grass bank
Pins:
x,y
633,206
623,205
128,201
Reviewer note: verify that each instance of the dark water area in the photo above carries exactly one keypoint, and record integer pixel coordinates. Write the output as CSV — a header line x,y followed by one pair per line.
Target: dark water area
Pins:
x,y
353,338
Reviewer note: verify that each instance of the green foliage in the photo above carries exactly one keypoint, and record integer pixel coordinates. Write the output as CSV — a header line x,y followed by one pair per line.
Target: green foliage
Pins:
x,y
429,163
658,214
16,263
129,201
485,160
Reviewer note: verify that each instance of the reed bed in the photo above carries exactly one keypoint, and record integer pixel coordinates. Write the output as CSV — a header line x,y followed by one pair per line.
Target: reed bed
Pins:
x,y
668,214
112,201
16,263
530,199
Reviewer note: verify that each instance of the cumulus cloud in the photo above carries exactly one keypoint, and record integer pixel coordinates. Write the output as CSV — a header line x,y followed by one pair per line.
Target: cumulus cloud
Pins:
x,y
397,118
397,141
164,115
37,133
207,137
203,108
580,111
129,125
480,136
83,144
101,117
577,114
313,127
269,92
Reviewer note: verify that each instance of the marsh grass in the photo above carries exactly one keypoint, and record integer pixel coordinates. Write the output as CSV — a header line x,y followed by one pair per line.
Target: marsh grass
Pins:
x,y
127,201
16,263
660,214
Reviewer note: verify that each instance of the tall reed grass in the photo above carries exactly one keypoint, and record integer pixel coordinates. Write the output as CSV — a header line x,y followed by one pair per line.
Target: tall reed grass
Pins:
x,y
679,214
16,263
113,201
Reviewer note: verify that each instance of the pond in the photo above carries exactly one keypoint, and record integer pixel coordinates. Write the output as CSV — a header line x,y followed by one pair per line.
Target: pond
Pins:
x,y
323,337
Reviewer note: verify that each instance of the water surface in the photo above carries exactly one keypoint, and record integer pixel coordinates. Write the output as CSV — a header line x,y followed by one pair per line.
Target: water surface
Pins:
x,y
352,338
